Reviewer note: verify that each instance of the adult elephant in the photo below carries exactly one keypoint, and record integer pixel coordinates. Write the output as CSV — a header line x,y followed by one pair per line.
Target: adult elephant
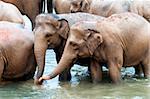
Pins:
x,y
17,60
31,8
119,40
108,7
51,31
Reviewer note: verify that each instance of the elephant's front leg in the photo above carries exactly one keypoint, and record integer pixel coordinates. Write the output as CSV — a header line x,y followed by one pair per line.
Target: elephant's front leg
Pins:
x,y
96,71
65,75
115,71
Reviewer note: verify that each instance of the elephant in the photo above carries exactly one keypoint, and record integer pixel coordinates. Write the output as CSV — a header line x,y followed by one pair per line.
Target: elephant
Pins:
x,y
62,6
119,40
31,8
17,62
51,31
10,13
106,8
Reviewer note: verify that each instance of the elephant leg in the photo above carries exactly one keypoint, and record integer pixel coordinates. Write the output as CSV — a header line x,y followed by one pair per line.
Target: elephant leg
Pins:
x,y
96,71
114,71
138,70
31,68
1,68
65,75
49,6
146,67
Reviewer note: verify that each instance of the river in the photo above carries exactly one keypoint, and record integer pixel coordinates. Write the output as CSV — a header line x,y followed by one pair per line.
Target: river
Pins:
x,y
78,88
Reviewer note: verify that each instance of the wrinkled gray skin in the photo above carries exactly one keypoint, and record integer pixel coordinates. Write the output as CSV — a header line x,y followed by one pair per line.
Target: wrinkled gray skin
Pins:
x,y
51,31
119,40
17,60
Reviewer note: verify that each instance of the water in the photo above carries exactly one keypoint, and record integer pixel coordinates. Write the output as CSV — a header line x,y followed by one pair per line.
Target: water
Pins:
x,y
78,88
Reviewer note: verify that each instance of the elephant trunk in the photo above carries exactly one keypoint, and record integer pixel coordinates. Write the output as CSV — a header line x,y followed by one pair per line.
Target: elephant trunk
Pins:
x,y
65,62
40,51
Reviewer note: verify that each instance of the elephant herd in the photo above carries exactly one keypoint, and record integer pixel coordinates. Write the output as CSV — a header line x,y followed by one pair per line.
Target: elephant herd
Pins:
x,y
92,33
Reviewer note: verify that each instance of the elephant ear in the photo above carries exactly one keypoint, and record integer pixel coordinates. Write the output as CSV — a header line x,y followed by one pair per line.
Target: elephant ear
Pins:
x,y
93,39
85,5
63,29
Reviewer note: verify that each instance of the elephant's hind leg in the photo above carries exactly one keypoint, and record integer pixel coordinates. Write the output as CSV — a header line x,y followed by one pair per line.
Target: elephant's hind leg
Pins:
x,y
31,67
1,67
146,67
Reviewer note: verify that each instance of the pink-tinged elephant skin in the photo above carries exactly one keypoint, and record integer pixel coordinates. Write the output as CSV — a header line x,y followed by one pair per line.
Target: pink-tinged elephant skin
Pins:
x,y
108,7
31,8
10,13
17,60
119,40
51,31
62,6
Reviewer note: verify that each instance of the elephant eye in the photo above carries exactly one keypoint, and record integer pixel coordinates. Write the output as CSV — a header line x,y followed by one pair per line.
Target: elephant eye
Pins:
x,y
75,5
74,45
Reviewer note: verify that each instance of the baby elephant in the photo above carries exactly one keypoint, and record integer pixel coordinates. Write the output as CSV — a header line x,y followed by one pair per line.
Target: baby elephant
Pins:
x,y
17,61
119,40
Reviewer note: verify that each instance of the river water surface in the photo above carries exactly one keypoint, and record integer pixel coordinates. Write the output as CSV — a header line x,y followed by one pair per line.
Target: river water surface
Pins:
x,y
78,88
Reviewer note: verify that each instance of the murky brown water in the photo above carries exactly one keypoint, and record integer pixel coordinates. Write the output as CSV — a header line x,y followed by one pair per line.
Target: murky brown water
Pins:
x,y
78,88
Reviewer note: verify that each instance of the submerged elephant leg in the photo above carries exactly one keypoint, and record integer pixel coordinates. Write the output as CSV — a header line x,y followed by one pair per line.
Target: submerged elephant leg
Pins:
x,y
138,70
31,67
146,67
96,71
65,75
114,71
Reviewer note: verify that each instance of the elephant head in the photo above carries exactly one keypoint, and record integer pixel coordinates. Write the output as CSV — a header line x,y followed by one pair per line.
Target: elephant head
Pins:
x,y
49,33
80,6
81,43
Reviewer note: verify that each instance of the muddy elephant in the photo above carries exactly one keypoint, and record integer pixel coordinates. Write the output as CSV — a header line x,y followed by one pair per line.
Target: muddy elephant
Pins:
x,y
17,60
108,7
51,31
62,6
119,40
31,8
10,13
